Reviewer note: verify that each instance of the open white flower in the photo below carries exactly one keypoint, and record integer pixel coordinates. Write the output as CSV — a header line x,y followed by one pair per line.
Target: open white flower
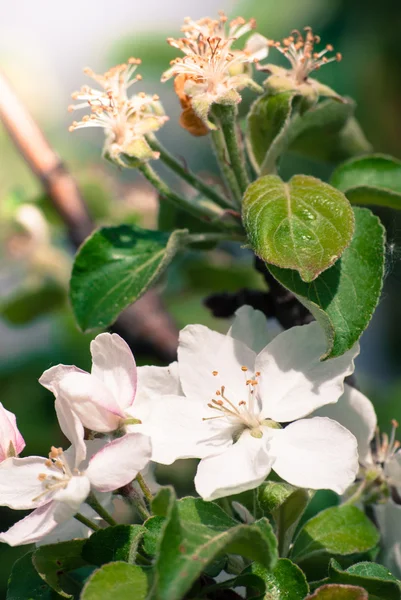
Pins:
x,y
125,119
115,395
211,72
57,486
299,49
238,393
388,516
11,441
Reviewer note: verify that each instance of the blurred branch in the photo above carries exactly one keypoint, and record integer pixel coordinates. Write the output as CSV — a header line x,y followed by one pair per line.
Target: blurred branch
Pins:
x,y
145,325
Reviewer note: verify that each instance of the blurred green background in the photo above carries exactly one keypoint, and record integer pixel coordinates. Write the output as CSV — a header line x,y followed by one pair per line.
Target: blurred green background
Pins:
x,y
42,50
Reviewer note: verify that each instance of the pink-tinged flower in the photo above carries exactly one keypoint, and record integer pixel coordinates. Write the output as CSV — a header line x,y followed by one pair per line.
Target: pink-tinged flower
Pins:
x,y
56,487
243,407
11,441
115,395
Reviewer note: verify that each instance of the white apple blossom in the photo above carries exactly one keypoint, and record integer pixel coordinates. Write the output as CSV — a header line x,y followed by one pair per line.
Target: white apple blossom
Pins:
x,y
11,441
243,406
388,517
115,395
57,487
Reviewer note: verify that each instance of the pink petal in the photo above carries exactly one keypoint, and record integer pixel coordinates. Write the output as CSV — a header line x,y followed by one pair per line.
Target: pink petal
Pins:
x,y
31,529
20,486
52,377
114,364
119,462
72,428
9,434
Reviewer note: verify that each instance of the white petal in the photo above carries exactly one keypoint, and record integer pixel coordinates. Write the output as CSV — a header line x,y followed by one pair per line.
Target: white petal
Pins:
x,y
316,453
119,462
92,401
10,437
257,46
388,518
294,381
32,528
243,466
114,364
392,469
154,383
19,482
70,498
202,352
177,430
355,412
71,426
52,377
250,327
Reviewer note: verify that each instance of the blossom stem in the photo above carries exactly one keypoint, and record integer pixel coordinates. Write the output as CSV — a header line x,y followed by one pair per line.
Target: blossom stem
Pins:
x,y
144,487
188,176
356,496
220,150
101,511
86,522
226,118
197,210
133,496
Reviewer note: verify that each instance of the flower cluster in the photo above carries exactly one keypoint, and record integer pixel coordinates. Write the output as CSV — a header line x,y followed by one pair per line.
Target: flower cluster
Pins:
x,y
211,72
126,119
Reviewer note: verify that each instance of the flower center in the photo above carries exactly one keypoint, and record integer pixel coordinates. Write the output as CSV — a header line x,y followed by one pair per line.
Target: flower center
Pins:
x,y
60,475
385,446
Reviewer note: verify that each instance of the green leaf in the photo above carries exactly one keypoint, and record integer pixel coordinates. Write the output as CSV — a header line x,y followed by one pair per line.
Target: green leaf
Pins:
x,y
266,124
253,583
54,562
195,534
304,224
328,132
344,297
374,578
340,531
30,303
119,581
339,592
26,584
114,267
285,582
117,543
153,530
286,504
371,180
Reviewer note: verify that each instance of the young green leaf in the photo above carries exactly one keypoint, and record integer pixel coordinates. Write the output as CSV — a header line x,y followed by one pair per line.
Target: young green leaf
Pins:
x,y
339,531
339,592
371,180
26,584
117,543
32,302
285,582
54,562
374,578
114,267
286,504
267,120
304,224
344,297
194,536
119,581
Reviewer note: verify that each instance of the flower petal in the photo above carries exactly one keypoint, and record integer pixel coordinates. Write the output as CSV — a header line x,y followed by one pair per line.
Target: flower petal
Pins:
x,y
355,412
388,517
19,482
202,352
52,377
10,437
154,383
177,430
119,462
294,381
71,426
243,466
316,453
250,327
392,469
32,528
114,364
71,497
91,401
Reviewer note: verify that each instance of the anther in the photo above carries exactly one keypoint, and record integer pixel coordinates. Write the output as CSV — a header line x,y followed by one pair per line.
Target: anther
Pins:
x,y
244,368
